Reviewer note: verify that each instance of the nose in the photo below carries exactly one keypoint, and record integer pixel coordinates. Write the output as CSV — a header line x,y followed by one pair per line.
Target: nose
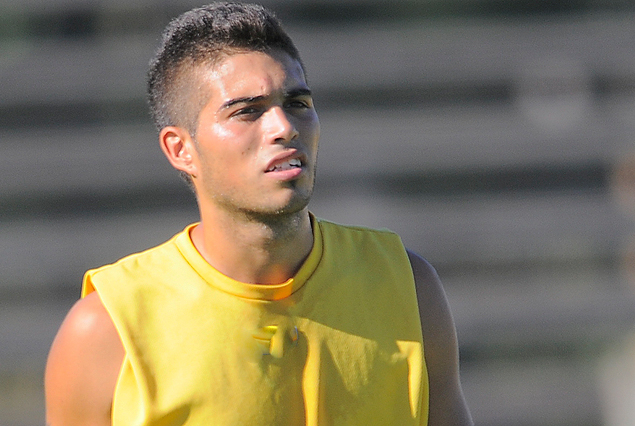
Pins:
x,y
280,127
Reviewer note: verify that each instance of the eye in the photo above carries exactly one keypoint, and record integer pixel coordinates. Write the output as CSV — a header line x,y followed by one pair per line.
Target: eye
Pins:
x,y
248,111
298,103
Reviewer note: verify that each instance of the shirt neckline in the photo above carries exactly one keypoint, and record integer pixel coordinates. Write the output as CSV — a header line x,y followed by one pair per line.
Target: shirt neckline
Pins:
x,y
268,292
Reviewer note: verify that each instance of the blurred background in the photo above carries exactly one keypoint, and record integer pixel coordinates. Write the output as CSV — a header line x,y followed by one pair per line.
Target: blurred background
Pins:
x,y
496,136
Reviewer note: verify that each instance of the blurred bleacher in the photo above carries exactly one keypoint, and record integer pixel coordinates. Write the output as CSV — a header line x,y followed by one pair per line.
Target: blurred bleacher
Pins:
x,y
497,137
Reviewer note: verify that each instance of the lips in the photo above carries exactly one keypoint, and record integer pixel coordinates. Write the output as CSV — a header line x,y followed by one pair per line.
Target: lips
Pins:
x,y
285,162
285,165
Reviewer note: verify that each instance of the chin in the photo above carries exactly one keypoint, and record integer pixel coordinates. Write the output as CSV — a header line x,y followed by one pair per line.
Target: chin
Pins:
x,y
291,207
296,200
294,207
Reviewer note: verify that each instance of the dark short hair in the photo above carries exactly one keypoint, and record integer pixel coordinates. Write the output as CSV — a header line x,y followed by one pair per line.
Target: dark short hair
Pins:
x,y
203,36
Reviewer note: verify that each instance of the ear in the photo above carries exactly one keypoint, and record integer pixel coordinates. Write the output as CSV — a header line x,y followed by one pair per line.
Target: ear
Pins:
x,y
178,147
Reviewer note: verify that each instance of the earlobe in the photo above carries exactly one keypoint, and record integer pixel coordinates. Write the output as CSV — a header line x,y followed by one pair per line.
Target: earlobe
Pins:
x,y
178,147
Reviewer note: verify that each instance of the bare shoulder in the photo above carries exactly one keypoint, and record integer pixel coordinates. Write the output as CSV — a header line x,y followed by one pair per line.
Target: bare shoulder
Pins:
x,y
447,404
424,272
433,305
83,366
436,319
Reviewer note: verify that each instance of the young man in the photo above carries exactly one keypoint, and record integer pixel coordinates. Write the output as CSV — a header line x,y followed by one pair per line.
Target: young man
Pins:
x,y
261,314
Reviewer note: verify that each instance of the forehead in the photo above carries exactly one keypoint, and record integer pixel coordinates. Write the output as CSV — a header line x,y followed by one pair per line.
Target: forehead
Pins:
x,y
254,73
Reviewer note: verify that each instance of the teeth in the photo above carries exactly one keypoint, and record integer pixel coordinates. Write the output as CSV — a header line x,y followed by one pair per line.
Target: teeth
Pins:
x,y
286,165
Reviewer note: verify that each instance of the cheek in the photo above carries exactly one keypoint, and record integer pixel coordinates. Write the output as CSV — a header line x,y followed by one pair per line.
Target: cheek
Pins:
x,y
312,131
221,133
317,130
221,142
233,145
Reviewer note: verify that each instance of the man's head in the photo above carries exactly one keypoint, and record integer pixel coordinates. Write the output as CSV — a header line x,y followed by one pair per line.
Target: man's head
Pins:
x,y
198,40
234,111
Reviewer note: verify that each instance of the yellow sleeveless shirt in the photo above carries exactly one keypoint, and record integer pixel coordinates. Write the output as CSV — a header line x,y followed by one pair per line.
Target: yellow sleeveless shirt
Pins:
x,y
338,344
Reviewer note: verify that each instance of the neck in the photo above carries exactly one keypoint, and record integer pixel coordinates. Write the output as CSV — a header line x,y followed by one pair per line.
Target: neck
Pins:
x,y
255,248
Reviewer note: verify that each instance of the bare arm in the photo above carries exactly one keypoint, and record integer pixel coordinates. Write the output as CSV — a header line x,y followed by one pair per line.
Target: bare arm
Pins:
x,y
447,405
82,367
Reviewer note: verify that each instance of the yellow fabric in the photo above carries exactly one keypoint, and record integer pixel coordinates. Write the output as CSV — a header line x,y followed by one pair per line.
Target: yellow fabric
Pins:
x,y
338,344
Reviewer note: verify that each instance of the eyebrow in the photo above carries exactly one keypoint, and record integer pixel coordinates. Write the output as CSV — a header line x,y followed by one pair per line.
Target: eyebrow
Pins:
x,y
294,93
298,92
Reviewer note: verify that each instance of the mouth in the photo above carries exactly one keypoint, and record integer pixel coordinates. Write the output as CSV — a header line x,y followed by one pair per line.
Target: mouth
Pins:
x,y
291,159
287,164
